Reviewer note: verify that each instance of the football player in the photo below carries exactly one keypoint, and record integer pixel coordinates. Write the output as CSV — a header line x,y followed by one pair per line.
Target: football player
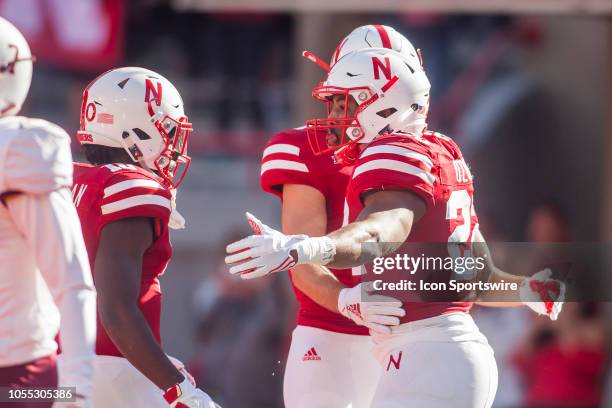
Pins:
x,y
408,185
44,272
134,134
329,362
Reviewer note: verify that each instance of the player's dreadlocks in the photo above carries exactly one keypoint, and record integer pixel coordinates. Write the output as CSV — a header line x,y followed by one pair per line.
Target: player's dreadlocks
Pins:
x,y
99,155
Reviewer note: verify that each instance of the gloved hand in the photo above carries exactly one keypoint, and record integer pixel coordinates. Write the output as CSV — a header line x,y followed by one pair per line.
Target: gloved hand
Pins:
x,y
542,294
186,395
272,251
376,312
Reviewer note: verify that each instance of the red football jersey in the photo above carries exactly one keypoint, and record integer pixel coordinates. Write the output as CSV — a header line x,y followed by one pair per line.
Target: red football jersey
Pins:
x,y
432,167
288,159
103,194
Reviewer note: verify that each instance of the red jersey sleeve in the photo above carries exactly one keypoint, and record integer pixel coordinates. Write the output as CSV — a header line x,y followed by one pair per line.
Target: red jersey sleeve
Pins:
x,y
395,163
130,194
287,159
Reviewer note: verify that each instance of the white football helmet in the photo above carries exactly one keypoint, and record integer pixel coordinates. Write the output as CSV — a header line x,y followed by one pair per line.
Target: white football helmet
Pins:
x,y
15,69
391,96
371,36
142,112
377,36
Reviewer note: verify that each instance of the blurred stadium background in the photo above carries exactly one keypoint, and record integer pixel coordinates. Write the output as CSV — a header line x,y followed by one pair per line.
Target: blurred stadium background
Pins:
x,y
522,85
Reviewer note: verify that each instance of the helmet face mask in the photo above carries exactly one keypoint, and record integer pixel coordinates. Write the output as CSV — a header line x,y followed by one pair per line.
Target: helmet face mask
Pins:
x,y
173,162
142,112
346,128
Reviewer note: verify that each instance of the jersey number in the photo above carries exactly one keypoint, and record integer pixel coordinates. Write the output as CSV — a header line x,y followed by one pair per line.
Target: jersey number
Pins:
x,y
459,208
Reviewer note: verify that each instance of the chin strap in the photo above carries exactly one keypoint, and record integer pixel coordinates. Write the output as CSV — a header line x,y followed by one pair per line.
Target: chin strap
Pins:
x,y
346,155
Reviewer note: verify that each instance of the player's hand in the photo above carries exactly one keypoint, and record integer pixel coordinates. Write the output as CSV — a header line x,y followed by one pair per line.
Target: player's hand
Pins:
x,y
272,251
376,312
542,294
186,395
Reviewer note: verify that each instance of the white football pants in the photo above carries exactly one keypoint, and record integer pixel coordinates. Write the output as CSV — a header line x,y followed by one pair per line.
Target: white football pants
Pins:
x,y
118,384
329,370
440,362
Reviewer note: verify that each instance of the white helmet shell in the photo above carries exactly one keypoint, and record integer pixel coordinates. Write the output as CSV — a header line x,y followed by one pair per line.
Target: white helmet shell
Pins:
x,y
15,69
140,111
391,95
377,36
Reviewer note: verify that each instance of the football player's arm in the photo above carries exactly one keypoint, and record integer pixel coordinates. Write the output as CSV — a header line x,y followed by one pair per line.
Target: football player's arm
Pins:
x,y
386,220
508,298
540,292
304,212
118,267
51,226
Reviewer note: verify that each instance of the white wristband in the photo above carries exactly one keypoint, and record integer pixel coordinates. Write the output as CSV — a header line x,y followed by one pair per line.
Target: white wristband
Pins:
x,y
320,250
342,302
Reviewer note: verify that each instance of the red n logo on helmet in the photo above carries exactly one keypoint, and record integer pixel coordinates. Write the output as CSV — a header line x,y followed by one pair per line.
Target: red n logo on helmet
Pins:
x,y
153,93
378,65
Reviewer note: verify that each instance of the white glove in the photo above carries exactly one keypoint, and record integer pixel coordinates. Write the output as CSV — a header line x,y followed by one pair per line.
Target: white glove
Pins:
x,y
186,395
376,312
542,294
272,251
